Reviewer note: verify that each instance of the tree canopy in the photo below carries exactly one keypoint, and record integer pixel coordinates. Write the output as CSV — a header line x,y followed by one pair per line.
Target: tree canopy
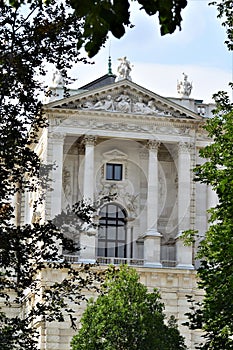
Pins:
x,y
98,18
30,37
126,316
214,315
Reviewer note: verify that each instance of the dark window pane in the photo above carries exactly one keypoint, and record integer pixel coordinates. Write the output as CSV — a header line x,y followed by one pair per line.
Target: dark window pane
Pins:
x,y
121,251
111,249
114,171
109,172
112,232
101,249
121,233
102,233
118,172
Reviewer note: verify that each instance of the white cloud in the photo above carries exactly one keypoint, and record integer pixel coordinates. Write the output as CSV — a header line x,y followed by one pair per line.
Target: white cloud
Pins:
x,y
198,50
162,79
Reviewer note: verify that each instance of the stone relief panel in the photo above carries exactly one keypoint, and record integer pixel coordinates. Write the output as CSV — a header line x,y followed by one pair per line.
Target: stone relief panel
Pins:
x,y
67,181
126,126
125,103
121,101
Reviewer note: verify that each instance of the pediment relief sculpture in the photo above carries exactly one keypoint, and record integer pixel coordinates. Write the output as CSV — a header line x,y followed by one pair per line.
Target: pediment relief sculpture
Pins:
x,y
119,101
124,103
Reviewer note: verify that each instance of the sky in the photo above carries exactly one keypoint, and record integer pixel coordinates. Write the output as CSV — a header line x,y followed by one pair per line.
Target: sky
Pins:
x,y
158,62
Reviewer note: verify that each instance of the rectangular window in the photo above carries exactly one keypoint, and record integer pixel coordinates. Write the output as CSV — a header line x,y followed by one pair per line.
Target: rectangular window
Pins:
x,y
114,171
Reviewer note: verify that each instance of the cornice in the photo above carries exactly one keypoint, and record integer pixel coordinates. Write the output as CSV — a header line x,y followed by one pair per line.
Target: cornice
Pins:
x,y
97,99
54,113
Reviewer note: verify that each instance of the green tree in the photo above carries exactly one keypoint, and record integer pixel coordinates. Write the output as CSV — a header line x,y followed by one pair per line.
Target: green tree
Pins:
x,y
31,37
104,16
225,12
214,314
126,316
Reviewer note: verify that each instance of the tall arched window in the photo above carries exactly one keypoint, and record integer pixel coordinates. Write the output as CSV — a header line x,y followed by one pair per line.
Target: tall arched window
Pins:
x,y
112,232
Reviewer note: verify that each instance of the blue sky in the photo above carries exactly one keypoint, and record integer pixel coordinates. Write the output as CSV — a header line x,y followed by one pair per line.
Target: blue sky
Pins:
x,y
198,50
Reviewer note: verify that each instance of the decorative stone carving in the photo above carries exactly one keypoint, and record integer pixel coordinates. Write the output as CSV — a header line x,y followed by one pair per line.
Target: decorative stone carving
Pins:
x,y
106,104
123,103
87,105
117,192
184,87
89,140
124,69
153,144
162,187
184,147
115,154
67,182
131,203
143,108
57,136
143,153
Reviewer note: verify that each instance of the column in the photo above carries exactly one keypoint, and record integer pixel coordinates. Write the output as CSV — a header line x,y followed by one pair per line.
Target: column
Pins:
x,y
184,253
152,238
88,237
57,141
88,185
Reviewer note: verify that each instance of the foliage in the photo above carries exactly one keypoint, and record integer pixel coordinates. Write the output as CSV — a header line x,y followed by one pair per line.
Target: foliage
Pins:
x,y
225,12
31,37
104,16
216,271
126,316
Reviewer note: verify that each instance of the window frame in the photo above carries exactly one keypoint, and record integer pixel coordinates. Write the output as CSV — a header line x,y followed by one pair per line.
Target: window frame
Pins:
x,y
114,166
107,222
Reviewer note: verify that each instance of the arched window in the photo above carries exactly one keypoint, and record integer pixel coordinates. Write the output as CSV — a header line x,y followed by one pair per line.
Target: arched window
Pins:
x,y
112,232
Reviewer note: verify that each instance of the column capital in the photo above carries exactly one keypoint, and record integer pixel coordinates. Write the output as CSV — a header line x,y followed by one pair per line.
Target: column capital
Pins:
x,y
57,136
89,140
184,147
153,144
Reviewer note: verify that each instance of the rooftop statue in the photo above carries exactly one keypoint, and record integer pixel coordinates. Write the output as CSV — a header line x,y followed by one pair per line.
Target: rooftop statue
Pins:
x,y
184,87
124,69
57,80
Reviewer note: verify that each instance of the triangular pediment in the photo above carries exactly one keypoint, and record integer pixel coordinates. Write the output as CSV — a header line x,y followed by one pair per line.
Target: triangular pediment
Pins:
x,y
124,97
114,154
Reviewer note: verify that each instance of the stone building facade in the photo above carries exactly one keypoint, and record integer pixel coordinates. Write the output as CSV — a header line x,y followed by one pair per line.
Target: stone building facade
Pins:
x,y
118,138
